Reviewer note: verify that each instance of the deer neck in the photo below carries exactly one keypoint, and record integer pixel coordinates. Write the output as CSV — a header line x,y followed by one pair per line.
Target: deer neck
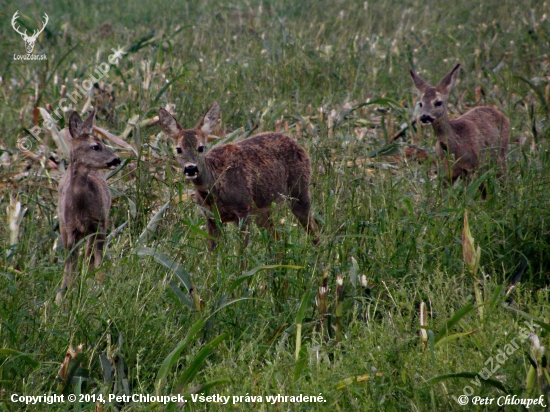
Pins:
x,y
443,130
80,182
206,178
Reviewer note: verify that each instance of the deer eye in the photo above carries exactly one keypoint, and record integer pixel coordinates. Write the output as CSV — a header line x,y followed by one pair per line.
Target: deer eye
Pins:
x,y
420,104
178,149
201,149
96,147
438,103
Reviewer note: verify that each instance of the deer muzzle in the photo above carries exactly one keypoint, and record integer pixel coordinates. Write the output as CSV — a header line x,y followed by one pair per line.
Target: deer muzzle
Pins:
x,y
113,163
426,118
191,171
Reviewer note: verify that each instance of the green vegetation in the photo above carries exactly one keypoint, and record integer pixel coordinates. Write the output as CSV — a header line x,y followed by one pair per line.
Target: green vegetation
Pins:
x,y
172,317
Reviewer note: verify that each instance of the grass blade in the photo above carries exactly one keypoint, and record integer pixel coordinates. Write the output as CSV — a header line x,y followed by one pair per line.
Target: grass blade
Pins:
x,y
117,170
153,223
459,314
173,356
252,272
166,86
20,355
495,298
474,186
169,263
196,229
354,272
229,138
299,319
301,361
388,150
176,289
470,375
538,92
193,369
203,387
455,336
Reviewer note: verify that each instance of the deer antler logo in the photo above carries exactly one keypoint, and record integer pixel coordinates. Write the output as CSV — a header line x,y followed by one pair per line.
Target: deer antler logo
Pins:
x,y
29,40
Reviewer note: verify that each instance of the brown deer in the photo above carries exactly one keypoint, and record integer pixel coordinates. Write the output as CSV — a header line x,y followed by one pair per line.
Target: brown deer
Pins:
x,y
478,138
245,178
84,198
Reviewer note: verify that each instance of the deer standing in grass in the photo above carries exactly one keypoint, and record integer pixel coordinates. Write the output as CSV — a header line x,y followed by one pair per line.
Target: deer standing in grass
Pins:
x,y
245,178
84,198
478,138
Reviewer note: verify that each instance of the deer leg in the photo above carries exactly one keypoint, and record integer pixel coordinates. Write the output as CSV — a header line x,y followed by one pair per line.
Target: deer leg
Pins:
x,y
89,247
244,224
483,190
503,149
67,275
98,246
91,255
213,231
98,250
264,221
502,167
456,172
301,208
70,266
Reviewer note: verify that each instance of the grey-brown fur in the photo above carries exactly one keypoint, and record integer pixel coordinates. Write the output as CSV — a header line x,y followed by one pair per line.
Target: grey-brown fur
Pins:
x,y
477,139
245,178
84,198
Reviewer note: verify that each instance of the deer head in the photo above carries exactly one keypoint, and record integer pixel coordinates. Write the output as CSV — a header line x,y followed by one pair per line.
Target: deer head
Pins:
x,y
88,150
433,100
29,40
191,144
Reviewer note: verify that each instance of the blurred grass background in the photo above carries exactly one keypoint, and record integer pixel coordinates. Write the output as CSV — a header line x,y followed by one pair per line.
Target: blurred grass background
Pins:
x,y
311,65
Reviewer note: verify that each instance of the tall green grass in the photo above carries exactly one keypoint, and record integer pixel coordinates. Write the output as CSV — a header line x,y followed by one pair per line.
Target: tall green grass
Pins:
x,y
173,317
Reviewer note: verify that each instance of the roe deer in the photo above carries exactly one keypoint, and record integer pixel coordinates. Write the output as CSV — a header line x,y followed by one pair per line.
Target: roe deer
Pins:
x,y
84,198
476,139
244,178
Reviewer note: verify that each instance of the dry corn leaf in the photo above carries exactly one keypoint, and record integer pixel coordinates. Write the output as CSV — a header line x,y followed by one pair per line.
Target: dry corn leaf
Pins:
x,y
115,139
57,138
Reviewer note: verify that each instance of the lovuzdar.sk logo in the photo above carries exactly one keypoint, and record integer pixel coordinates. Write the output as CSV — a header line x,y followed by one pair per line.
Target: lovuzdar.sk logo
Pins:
x,y
30,41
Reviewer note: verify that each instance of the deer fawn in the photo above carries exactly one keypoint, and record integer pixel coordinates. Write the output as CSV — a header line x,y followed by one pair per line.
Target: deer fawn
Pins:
x,y
84,198
477,138
244,178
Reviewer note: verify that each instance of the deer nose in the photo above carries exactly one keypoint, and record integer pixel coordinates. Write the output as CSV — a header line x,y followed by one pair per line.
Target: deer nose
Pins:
x,y
426,118
191,170
114,162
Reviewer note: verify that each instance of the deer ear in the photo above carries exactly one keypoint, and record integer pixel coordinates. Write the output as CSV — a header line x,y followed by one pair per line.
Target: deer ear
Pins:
x,y
419,82
448,82
210,119
168,124
88,124
75,122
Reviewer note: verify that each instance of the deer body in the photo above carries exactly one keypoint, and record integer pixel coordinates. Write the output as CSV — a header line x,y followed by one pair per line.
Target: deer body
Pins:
x,y
84,197
245,178
85,204
477,139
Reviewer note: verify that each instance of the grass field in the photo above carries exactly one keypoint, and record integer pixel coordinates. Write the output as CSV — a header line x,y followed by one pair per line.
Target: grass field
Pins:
x,y
171,317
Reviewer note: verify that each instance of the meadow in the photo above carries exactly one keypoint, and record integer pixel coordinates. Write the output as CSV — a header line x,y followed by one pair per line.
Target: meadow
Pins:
x,y
340,320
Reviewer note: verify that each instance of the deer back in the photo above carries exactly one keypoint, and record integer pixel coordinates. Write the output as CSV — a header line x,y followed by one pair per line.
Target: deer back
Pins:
x,y
263,169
